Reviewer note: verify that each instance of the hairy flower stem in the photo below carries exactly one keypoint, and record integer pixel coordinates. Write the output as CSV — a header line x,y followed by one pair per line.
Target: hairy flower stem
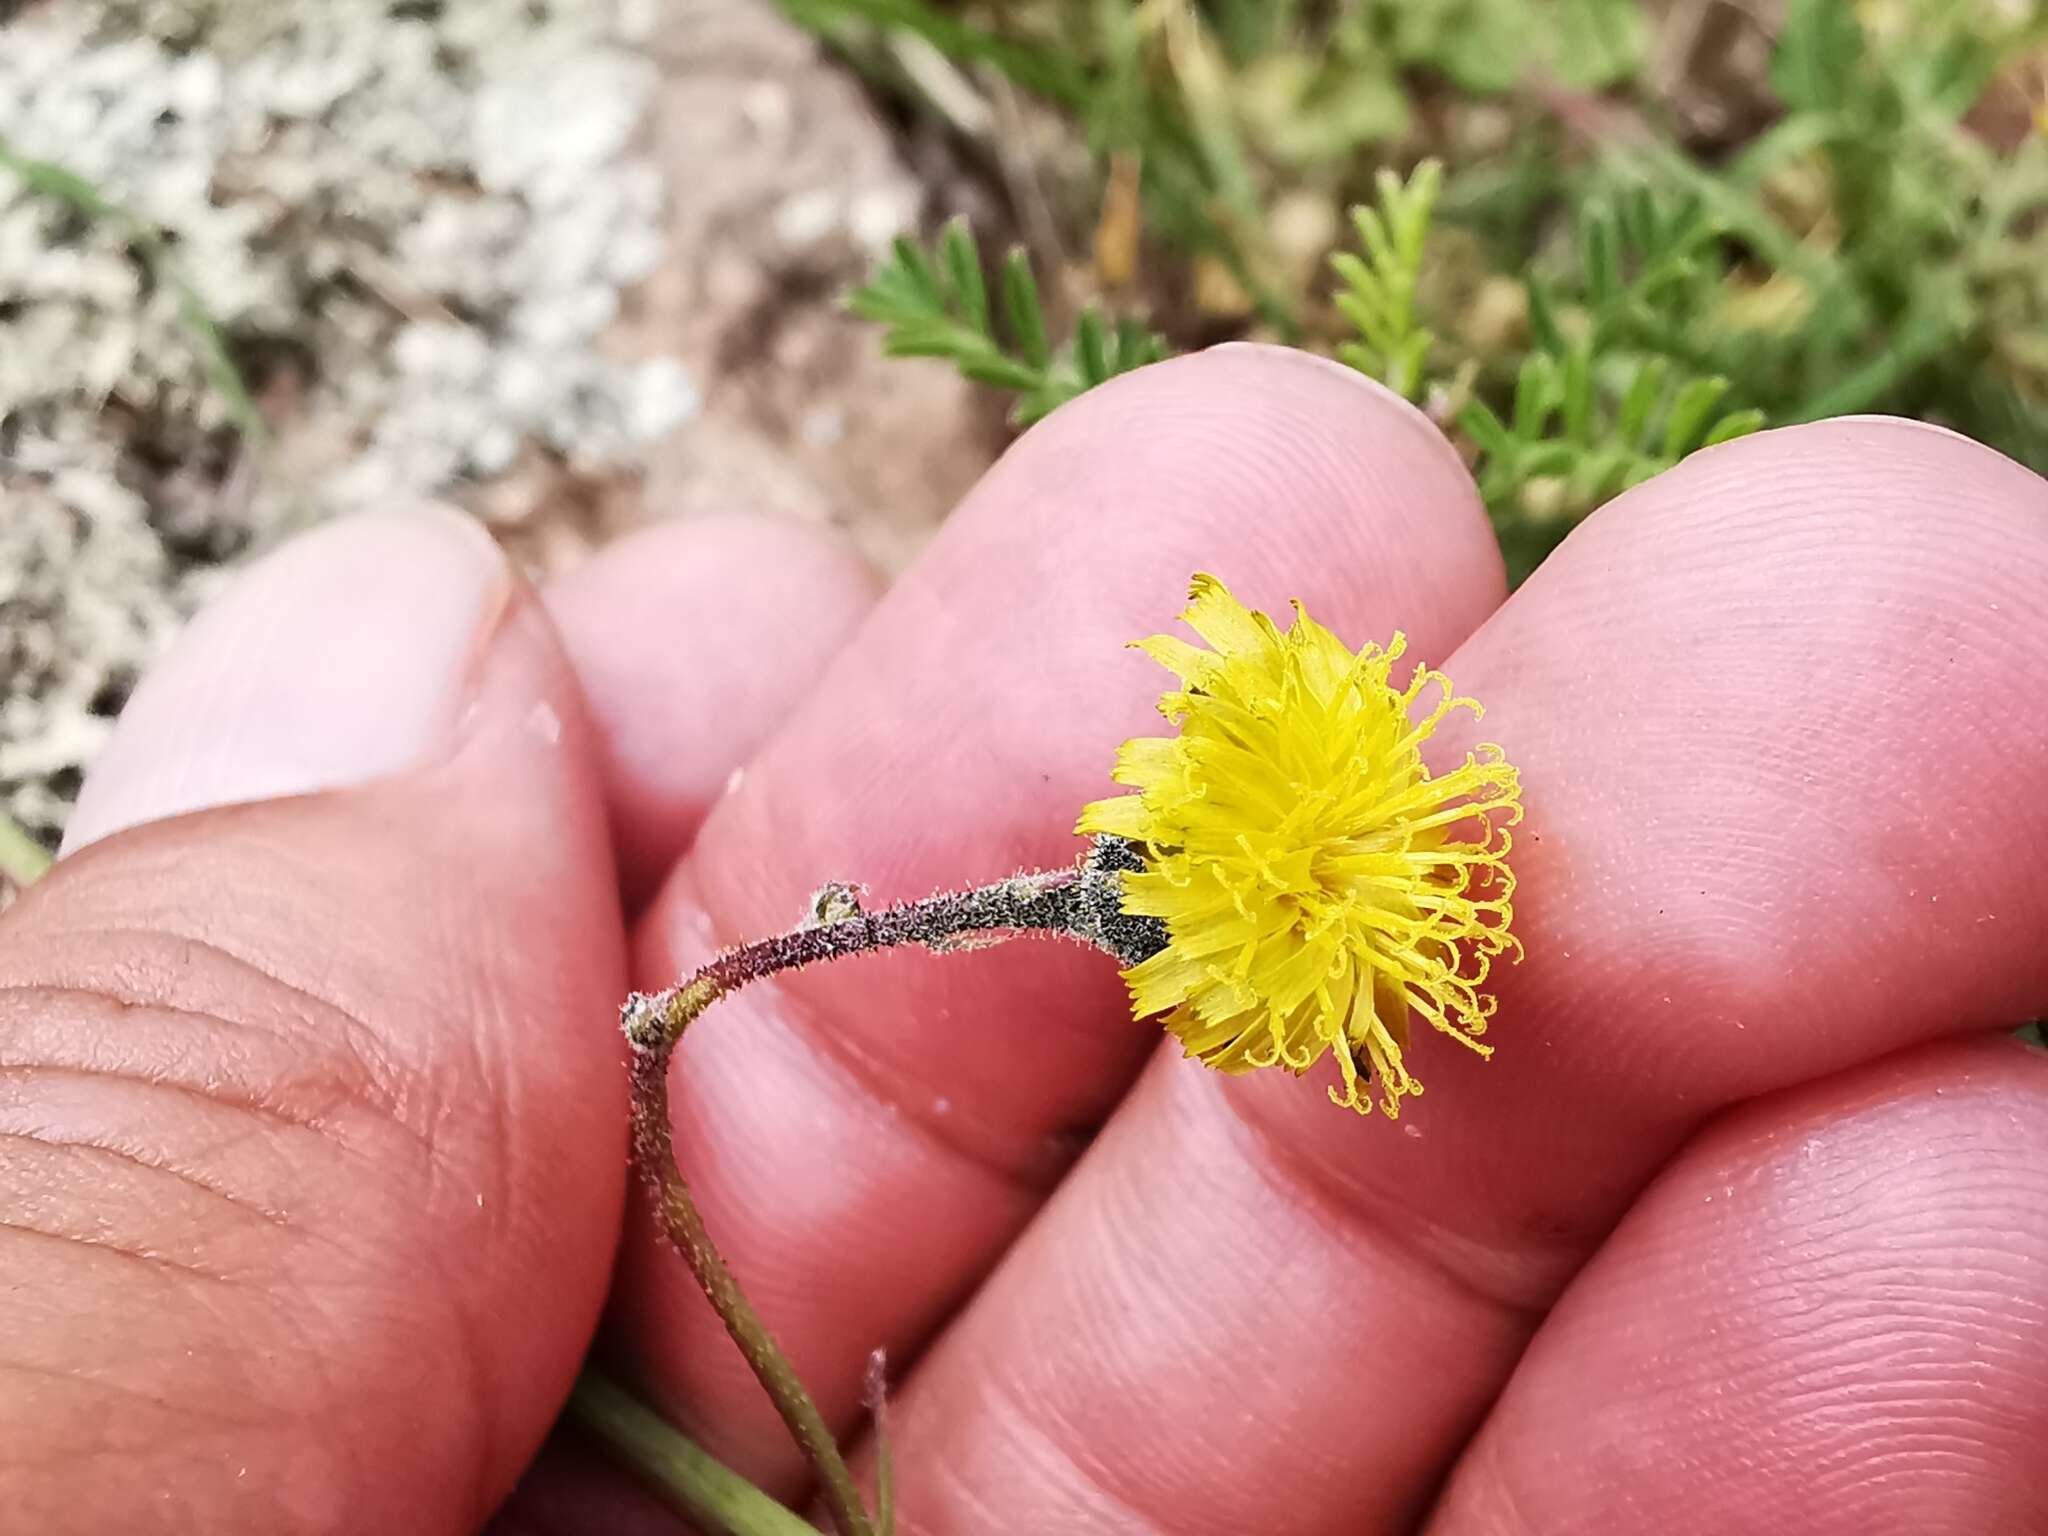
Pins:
x,y
654,1150
1083,904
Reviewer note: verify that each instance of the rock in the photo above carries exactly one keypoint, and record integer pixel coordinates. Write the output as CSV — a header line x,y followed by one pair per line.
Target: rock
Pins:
x,y
783,186
422,237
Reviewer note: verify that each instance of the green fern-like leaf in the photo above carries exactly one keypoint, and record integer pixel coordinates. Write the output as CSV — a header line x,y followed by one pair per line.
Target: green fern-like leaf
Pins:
x,y
1615,388
1644,269
1378,297
937,304
1584,428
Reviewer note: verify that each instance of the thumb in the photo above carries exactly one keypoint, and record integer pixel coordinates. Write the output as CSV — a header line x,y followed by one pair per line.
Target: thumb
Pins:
x,y
311,1117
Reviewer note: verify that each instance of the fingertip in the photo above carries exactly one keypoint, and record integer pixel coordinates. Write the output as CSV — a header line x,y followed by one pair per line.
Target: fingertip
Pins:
x,y
1845,482
1258,458
1835,1280
692,639
1905,427
1773,711
343,655
1255,356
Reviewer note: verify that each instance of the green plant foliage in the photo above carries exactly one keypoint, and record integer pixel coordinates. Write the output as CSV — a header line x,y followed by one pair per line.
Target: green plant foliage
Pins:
x,y
1380,280
937,304
1584,429
66,186
1609,393
1645,265
1868,244
1907,257
1490,46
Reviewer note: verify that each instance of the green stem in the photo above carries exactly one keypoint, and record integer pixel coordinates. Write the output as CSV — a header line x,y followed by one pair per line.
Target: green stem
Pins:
x,y
710,1494
23,860
1084,904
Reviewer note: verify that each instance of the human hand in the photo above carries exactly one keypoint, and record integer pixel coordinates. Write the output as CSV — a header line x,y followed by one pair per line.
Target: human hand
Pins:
x,y
1742,1228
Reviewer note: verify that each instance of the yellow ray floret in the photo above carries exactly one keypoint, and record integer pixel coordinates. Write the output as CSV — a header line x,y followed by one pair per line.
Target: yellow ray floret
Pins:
x,y
1317,883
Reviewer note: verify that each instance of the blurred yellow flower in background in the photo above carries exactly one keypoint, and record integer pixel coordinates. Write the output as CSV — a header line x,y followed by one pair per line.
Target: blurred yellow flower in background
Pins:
x,y
1317,883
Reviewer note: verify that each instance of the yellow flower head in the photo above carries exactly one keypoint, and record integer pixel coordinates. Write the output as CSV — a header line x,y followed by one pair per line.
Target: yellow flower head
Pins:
x,y
1317,884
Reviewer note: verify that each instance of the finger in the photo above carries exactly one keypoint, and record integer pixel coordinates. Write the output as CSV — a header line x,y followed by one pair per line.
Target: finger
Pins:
x,y
864,1140
692,640
311,1108
1829,1317
1787,782
572,1490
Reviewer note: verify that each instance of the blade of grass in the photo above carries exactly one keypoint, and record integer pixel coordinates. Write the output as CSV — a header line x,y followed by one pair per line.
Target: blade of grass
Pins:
x,y
55,181
1037,70
701,1488
23,860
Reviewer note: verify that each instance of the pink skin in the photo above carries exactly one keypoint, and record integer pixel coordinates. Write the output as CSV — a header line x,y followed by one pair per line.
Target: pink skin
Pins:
x,y
761,608
1772,717
1686,1255
1824,1317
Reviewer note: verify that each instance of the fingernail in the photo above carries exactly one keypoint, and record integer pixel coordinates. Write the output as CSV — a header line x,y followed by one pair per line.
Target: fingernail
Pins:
x,y
343,656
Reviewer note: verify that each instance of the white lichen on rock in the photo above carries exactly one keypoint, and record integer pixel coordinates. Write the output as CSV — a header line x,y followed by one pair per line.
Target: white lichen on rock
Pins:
x,y
85,597
413,222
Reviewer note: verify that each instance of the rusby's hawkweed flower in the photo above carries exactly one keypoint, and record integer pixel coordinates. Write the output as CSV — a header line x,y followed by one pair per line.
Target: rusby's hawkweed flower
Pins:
x,y
1286,878
1318,884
